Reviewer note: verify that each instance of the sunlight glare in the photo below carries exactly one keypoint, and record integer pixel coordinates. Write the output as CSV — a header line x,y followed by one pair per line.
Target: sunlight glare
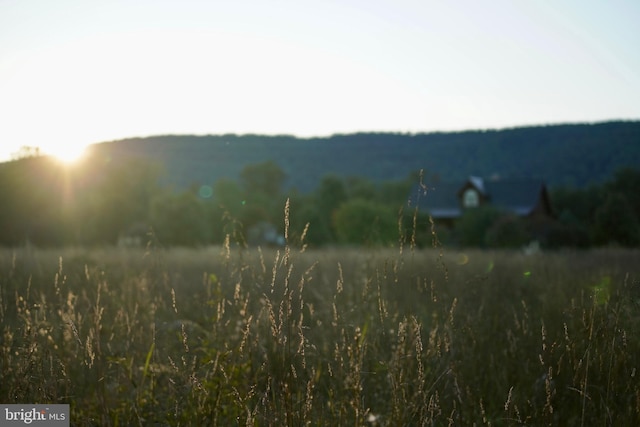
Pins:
x,y
67,153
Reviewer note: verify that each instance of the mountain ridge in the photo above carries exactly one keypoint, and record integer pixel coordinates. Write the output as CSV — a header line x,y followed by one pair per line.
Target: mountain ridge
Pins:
x,y
574,155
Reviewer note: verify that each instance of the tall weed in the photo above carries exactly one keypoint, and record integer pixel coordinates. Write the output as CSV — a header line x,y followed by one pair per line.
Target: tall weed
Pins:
x,y
293,336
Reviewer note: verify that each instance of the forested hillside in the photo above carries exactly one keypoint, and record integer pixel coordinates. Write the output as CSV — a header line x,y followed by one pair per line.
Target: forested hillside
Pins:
x,y
345,189
574,155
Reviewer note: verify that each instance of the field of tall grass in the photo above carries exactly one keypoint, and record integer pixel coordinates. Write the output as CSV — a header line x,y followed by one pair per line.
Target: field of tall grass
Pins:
x,y
388,337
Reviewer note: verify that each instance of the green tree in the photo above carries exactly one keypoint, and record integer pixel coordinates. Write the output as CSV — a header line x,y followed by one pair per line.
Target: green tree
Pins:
x,y
395,193
616,222
229,196
331,193
263,178
36,206
361,188
262,184
120,198
363,221
508,231
180,219
303,211
626,181
581,204
568,231
472,227
26,152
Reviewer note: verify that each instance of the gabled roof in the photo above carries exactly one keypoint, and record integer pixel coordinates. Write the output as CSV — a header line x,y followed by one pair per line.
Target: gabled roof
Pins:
x,y
441,199
478,183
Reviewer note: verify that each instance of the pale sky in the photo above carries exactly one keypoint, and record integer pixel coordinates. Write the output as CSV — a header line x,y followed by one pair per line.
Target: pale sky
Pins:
x,y
76,72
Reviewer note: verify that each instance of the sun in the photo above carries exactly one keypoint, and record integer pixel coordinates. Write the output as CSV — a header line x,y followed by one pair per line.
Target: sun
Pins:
x,y
67,153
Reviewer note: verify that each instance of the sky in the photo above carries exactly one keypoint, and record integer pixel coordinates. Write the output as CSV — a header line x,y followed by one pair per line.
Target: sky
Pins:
x,y
77,72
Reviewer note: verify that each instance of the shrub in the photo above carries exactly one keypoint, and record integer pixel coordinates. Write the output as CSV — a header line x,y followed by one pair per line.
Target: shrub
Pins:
x,y
472,227
508,231
615,222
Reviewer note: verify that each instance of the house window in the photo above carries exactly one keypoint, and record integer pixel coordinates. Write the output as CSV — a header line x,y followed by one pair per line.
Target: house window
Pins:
x,y
470,198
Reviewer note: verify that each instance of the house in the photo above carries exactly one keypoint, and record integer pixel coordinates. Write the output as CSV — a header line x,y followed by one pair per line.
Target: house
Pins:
x,y
447,201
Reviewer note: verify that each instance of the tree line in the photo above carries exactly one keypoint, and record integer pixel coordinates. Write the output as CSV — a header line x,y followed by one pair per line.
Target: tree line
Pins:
x,y
47,203
570,154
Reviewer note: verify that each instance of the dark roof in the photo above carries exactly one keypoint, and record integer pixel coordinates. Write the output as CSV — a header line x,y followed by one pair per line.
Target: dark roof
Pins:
x,y
441,199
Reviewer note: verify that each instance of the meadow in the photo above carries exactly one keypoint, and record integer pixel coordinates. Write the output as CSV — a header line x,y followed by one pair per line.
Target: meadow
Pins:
x,y
344,336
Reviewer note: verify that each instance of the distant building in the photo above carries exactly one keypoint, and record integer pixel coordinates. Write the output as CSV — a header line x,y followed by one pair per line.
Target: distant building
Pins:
x,y
264,234
447,201
136,235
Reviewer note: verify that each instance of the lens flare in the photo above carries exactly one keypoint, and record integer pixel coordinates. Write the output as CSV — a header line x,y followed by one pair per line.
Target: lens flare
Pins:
x,y
490,267
205,192
602,291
